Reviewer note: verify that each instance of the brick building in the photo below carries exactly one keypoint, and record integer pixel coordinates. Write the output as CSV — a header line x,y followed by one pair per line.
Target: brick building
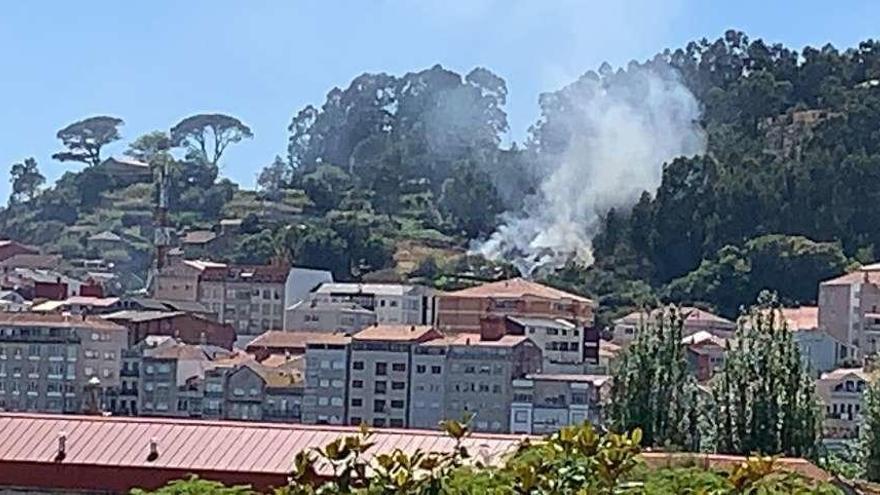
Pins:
x,y
187,327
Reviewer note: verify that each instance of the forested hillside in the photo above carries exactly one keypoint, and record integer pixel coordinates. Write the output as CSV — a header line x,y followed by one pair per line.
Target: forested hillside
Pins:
x,y
406,176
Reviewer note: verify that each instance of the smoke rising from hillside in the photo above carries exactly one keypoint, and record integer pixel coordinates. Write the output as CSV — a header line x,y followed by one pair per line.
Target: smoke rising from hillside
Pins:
x,y
615,133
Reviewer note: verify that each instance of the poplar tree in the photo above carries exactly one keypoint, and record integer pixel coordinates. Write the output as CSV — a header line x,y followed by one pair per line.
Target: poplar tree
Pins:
x,y
871,433
764,397
652,388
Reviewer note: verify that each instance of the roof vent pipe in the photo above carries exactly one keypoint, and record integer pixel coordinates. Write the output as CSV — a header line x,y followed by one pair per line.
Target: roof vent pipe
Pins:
x,y
154,450
62,447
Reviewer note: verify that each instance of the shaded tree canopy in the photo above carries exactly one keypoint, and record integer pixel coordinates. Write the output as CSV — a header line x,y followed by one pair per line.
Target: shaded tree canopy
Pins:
x,y
84,139
206,136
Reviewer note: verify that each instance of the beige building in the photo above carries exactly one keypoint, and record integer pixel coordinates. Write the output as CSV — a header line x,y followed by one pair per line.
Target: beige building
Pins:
x,y
379,373
250,298
842,394
695,320
849,310
48,360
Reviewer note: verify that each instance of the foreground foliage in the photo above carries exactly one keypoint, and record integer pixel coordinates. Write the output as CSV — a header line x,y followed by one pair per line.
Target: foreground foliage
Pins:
x,y
575,461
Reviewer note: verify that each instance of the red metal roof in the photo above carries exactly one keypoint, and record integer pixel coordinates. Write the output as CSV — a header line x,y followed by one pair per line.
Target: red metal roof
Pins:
x,y
245,452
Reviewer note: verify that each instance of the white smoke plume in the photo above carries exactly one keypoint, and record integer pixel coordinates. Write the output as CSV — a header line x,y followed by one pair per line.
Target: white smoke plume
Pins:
x,y
623,127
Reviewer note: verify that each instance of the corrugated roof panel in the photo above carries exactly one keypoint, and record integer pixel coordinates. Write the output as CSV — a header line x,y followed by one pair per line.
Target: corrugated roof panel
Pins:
x,y
194,445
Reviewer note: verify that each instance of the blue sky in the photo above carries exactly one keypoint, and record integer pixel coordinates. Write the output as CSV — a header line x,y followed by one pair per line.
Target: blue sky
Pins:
x,y
154,62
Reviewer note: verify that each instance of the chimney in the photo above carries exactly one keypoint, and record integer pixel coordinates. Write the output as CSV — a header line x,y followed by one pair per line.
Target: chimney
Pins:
x,y
412,328
203,338
493,327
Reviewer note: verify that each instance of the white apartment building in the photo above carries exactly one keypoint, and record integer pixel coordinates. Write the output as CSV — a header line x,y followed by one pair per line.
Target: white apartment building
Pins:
x,y
544,403
394,304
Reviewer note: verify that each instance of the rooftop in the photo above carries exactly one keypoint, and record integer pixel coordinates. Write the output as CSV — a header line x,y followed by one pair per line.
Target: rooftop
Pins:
x,y
840,373
248,273
106,236
354,288
704,337
57,320
245,452
399,333
866,274
281,339
199,237
328,306
542,322
691,315
473,339
29,260
517,288
598,380
136,316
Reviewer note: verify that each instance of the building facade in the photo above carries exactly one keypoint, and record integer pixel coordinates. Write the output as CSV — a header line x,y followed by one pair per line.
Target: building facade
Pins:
x,y
695,320
325,396
544,403
48,360
313,315
393,304
842,394
379,373
849,310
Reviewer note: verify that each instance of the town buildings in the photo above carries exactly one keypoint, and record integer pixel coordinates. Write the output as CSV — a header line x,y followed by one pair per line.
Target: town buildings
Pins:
x,y
543,403
393,303
299,285
47,361
250,298
695,320
327,361
314,315
188,327
379,373
842,393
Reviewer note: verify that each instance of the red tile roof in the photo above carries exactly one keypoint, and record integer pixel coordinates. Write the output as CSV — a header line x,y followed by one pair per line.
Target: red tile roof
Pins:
x,y
517,288
237,452
280,339
401,333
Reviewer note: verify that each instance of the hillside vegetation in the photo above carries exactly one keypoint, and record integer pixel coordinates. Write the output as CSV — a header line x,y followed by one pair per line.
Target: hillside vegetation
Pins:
x,y
397,176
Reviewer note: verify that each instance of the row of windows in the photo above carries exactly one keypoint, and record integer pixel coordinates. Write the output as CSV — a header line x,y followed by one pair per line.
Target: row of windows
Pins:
x,y
381,368
379,422
435,370
555,331
379,387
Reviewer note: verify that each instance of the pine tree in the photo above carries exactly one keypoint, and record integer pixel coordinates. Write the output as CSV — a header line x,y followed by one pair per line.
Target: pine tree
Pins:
x,y
764,398
652,388
870,437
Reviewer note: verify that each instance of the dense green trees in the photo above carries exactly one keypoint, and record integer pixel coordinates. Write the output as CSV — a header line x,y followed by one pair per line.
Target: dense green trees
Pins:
x,y
653,389
870,441
763,398
26,181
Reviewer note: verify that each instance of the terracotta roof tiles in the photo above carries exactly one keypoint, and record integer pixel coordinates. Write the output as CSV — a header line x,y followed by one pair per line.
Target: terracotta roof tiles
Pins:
x,y
517,288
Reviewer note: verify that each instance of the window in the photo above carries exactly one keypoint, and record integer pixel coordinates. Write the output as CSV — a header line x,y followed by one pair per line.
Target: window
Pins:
x,y
355,421
393,304
378,422
357,365
89,371
381,387
356,402
378,406
357,384
399,367
396,423
109,356
381,369
421,368
398,385
397,404
436,370
336,383
470,369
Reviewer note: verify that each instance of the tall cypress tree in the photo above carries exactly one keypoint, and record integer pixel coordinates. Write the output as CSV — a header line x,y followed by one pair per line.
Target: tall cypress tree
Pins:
x,y
652,388
764,399
871,433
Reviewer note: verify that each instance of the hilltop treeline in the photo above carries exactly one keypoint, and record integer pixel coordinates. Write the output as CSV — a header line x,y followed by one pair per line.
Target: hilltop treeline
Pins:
x,y
394,176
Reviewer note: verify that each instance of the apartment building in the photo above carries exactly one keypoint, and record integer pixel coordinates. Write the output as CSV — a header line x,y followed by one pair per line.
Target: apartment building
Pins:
x,y
480,374
849,310
394,304
820,351
534,304
172,378
695,320
47,360
325,316
842,393
379,373
325,398
255,392
544,403
250,298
